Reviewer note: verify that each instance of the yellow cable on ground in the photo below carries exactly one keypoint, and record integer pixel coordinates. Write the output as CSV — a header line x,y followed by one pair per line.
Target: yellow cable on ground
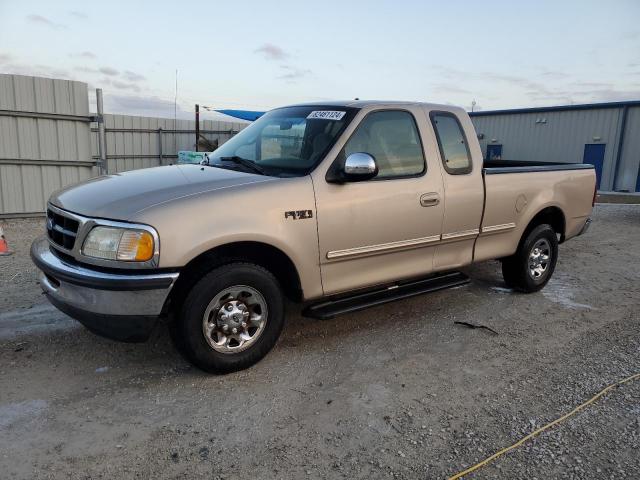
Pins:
x,y
542,429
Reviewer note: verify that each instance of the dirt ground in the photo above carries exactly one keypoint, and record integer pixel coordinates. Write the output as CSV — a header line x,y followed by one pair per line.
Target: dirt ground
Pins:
x,y
397,391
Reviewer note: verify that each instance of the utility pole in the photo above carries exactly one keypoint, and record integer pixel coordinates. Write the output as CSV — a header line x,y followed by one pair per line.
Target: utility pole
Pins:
x,y
197,126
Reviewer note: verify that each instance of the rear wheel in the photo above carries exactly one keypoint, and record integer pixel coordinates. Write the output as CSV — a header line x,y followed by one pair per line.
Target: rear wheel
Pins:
x,y
531,267
231,318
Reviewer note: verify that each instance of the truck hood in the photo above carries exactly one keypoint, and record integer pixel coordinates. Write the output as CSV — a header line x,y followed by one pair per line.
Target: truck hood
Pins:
x,y
120,196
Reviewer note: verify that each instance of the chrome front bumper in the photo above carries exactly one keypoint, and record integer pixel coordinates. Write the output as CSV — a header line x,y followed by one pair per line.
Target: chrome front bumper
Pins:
x,y
123,306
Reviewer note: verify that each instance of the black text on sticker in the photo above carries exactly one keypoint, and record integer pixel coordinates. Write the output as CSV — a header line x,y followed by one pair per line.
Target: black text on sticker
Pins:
x,y
326,114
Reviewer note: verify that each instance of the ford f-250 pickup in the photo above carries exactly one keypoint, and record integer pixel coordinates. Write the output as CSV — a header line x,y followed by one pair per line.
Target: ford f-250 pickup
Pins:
x,y
338,206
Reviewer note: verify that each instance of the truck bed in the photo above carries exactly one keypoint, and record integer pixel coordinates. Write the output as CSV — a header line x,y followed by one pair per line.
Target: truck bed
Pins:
x,y
512,199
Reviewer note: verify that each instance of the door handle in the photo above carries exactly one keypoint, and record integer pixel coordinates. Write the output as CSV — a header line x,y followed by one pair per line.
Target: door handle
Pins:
x,y
429,200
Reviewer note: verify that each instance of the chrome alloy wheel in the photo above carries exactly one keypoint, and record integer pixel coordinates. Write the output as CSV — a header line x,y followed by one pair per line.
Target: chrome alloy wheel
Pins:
x,y
539,258
234,319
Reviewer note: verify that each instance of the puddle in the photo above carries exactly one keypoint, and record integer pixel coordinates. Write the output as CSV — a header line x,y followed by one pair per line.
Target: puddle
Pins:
x,y
40,319
14,412
502,289
561,292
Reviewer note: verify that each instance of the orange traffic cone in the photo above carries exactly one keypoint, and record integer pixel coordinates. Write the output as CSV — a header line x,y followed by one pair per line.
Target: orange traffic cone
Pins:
x,y
4,248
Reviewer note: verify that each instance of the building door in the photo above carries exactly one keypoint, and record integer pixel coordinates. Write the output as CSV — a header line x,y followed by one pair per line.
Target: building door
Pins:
x,y
594,154
494,152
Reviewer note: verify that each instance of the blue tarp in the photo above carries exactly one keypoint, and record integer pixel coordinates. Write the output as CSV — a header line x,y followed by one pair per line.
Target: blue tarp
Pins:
x,y
242,114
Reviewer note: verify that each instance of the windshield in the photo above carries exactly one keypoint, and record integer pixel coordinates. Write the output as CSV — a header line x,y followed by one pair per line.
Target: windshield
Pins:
x,y
285,142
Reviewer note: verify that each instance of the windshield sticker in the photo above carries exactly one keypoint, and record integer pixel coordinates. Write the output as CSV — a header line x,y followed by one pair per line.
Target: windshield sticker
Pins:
x,y
326,115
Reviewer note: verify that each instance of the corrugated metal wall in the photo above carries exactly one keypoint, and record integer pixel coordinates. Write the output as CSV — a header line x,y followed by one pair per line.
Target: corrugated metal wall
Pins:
x,y
629,169
561,136
47,142
44,140
134,142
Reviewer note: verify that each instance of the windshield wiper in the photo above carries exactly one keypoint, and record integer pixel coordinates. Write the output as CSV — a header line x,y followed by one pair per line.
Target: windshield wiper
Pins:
x,y
245,163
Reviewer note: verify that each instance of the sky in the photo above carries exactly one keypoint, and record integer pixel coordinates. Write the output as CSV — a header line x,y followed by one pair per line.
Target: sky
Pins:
x,y
258,55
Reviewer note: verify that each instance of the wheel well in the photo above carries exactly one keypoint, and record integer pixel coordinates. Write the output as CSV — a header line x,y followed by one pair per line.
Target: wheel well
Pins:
x,y
265,255
550,215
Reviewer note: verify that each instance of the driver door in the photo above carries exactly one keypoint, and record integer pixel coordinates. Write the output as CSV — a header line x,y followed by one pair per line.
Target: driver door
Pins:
x,y
380,230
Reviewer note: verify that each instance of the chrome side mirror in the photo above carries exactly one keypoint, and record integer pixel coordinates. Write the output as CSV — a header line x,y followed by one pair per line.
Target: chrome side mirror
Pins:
x,y
360,166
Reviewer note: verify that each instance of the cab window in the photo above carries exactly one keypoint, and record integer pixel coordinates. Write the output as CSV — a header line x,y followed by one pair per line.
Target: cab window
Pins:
x,y
452,143
391,137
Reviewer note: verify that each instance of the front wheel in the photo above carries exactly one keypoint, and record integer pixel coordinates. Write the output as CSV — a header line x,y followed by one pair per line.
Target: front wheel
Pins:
x,y
231,318
530,268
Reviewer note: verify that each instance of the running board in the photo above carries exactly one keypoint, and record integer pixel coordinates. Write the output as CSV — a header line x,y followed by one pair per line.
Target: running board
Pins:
x,y
329,309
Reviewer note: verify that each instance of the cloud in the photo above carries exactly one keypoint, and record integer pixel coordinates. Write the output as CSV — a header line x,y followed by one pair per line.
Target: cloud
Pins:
x,y
537,99
633,35
520,82
34,70
125,86
109,71
607,95
293,73
130,77
133,77
45,21
86,54
574,96
151,106
449,88
591,85
5,58
449,72
553,74
86,69
272,52
112,72
80,15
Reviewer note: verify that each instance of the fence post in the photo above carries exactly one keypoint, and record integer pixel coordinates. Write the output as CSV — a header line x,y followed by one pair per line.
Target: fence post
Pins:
x,y
160,145
102,141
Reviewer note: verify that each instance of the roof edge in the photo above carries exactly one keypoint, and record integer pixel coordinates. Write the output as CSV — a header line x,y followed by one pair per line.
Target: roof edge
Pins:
x,y
559,108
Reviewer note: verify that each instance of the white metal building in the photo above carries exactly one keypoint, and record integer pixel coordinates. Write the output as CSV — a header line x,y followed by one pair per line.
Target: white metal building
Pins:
x,y
48,139
606,135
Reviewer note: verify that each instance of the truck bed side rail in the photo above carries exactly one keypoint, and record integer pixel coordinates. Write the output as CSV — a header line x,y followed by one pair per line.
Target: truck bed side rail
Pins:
x,y
494,168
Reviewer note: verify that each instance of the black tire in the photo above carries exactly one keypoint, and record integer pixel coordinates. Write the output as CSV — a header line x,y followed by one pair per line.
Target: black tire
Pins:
x,y
189,327
515,269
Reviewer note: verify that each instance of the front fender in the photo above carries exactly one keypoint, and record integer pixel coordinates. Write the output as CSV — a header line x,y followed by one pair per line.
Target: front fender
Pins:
x,y
252,213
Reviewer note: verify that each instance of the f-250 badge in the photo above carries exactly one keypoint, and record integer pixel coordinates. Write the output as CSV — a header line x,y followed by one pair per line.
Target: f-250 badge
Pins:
x,y
298,214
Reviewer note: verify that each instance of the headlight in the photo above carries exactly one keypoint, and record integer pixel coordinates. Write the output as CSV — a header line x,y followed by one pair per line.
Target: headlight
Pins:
x,y
124,244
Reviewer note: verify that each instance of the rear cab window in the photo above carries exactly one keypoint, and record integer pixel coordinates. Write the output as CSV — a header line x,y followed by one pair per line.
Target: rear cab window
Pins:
x,y
452,143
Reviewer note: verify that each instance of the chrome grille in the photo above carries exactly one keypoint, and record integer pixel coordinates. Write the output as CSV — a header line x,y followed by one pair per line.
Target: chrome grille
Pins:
x,y
61,229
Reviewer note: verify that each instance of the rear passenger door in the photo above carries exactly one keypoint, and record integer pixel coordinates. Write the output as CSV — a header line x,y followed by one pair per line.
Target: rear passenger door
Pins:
x,y
384,229
463,187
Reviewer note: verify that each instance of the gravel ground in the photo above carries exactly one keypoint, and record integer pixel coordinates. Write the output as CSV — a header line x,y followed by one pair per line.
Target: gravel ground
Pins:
x,y
18,280
397,391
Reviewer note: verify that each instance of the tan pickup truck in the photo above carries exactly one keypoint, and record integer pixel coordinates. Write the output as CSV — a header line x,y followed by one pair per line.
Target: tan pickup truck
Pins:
x,y
338,206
